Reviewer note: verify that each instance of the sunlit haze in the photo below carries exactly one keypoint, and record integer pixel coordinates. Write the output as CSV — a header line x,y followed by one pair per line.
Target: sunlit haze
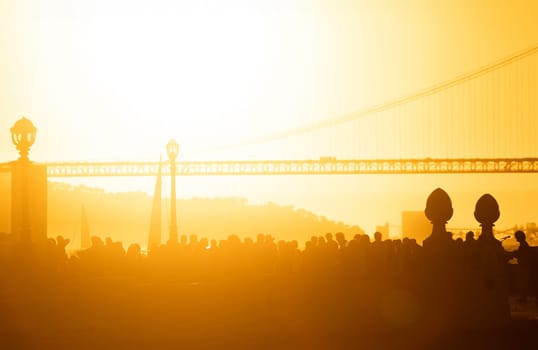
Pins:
x,y
115,80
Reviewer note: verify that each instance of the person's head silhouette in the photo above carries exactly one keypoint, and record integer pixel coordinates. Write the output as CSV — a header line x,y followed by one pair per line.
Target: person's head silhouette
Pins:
x,y
378,236
520,236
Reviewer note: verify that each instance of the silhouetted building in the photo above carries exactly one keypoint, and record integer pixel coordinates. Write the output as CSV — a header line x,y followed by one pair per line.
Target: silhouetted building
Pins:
x,y
415,225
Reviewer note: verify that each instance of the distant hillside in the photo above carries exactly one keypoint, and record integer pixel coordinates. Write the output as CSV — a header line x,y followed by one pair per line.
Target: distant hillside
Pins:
x,y
126,217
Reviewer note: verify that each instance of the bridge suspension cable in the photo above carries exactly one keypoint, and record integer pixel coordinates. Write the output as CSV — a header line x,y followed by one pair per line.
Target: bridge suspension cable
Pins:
x,y
327,123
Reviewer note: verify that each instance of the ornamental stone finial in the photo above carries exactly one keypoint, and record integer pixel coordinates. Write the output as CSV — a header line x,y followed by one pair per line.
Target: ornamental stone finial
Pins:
x,y
438,207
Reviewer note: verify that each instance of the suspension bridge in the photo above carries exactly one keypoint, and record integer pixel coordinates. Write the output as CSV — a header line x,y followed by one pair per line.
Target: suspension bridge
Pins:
x,y
485,121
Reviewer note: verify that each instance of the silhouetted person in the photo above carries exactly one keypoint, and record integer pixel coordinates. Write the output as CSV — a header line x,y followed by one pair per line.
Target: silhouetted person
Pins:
x,y
524,255
92,259
471,262
378,237
469,238
378,256
341,239
410,258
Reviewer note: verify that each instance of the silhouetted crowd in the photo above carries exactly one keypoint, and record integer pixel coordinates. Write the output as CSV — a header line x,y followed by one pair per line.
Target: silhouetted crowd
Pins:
x,y
324,257
263,285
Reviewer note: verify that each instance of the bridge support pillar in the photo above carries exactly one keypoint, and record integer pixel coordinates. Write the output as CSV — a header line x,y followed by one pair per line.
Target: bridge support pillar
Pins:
x,y
29,202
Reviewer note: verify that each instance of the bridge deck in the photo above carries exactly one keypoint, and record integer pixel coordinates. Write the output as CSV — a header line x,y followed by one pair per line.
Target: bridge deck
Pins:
x,y
330,166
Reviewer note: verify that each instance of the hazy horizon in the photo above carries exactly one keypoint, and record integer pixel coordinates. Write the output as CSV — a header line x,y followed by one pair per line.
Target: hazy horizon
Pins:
x,y
371,209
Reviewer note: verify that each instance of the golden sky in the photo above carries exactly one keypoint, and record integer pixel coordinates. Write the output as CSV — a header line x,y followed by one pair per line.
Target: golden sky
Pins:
x,y
116,79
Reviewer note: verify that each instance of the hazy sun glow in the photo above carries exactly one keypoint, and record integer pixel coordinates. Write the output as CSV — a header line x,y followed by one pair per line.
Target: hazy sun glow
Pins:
x,y
203,74
169,63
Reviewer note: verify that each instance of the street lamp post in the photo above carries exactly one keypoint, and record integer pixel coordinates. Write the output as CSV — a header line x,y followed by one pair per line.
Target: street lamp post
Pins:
x,y
23,135
172,148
